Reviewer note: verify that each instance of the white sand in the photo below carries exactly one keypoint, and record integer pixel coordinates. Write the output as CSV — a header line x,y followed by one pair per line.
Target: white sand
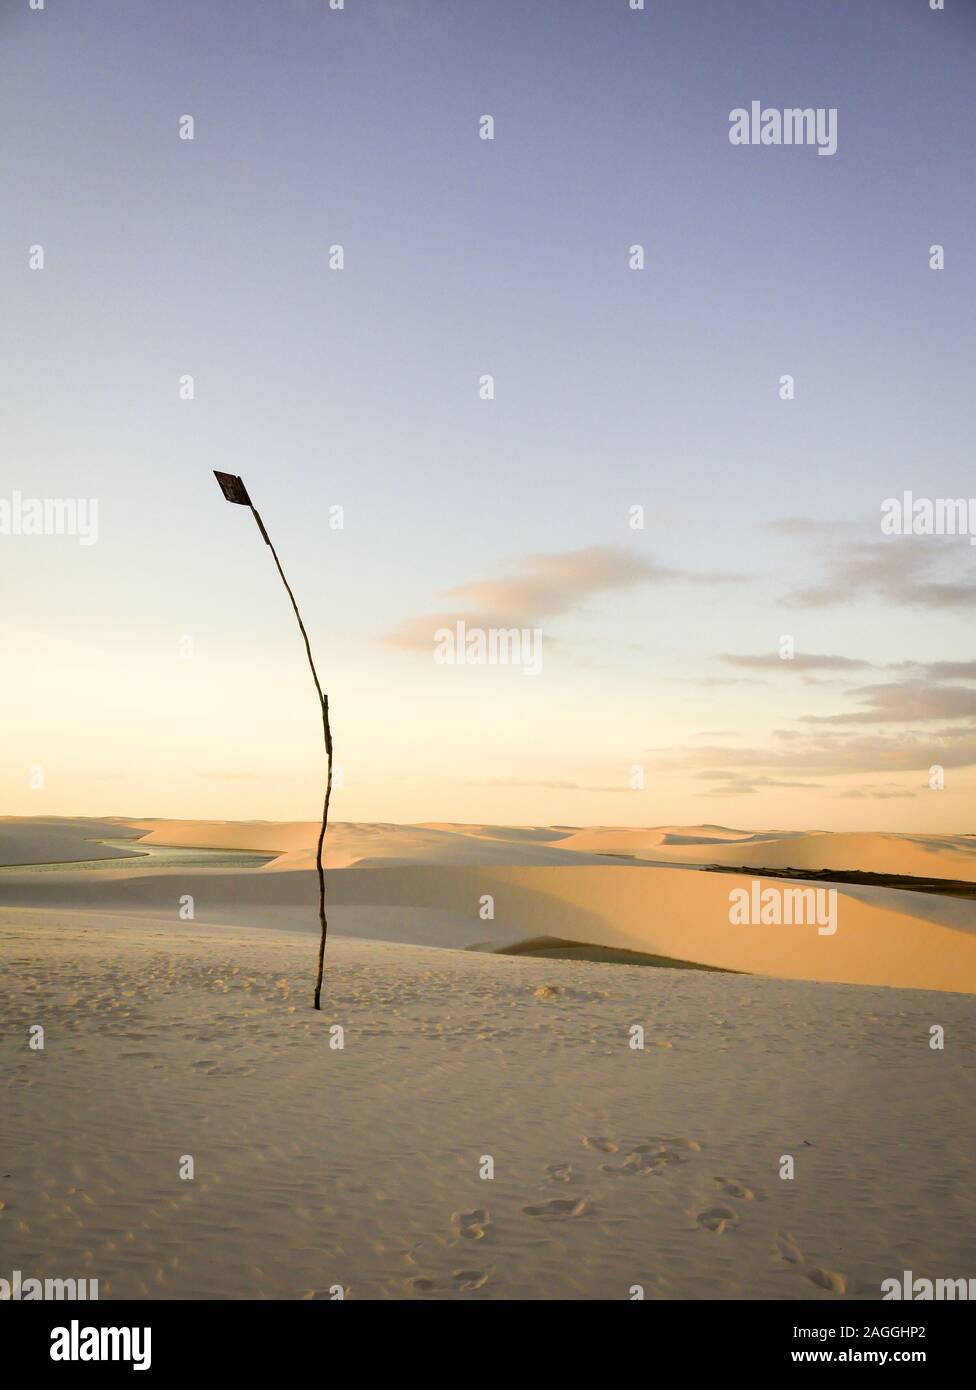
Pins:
x,y
359,1167
424,885
49,840
612,1167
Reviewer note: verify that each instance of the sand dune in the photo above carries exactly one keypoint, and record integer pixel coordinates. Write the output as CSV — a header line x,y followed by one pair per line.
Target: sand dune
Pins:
x,y
431,886
52,839
923,856
317,1167
634,840
614,1166
351,842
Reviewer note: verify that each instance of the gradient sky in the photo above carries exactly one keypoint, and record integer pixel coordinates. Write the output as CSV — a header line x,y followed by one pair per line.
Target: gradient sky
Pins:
x,y
614,387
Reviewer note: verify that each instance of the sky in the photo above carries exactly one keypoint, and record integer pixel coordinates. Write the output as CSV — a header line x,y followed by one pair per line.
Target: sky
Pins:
x,y
158,671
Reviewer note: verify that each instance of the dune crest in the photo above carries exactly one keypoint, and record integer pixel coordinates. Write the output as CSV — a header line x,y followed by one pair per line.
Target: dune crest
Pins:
x,y
494,888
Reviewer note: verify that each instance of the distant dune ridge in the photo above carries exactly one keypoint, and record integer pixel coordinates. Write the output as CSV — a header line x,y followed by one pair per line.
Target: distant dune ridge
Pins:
x,y
621,888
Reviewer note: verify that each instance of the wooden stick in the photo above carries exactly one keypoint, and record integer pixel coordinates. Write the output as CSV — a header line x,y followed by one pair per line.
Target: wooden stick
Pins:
x,y
327,734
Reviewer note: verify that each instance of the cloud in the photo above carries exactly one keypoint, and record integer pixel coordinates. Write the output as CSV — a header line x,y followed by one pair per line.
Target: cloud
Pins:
x,y
908,571
907,702
802,661
738,784
878,793
828,753
720,680
552,786
939,670
544,586
823,660
550,584
809,526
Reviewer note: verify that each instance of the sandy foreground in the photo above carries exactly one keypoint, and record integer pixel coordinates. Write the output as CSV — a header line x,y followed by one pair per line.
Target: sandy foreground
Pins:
x,y
364,1166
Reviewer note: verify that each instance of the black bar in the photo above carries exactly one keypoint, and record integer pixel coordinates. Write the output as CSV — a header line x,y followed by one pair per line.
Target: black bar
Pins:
x,y
305,1338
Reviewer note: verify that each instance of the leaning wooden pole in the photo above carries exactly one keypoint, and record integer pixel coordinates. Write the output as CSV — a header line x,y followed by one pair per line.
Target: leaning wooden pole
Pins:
x,y
234,490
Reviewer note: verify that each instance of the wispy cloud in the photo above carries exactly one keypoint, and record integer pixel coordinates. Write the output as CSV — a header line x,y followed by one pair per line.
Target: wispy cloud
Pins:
x,y
887,792
827,753
908,571
810,526
906,702
727,783
939,670
554,785
801,661
543,587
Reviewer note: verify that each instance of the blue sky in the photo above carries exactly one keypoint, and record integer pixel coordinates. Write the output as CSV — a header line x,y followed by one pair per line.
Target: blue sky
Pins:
x,y
360,388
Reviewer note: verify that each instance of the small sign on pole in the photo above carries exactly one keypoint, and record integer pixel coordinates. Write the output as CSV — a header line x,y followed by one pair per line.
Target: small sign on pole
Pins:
x,y
233,488
234,491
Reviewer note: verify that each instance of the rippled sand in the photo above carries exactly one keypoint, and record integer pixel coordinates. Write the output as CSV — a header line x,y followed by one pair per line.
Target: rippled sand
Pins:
x,y
318,1167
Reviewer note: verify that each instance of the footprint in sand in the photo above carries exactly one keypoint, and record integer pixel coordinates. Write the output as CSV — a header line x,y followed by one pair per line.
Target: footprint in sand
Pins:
x,y
598,1142
423,1284
649,1158
677,1141
736,1189
471,1224
560,1172
619,1170
462,1280
827,1279
716,1219
659,1154
787,1248
559,1206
